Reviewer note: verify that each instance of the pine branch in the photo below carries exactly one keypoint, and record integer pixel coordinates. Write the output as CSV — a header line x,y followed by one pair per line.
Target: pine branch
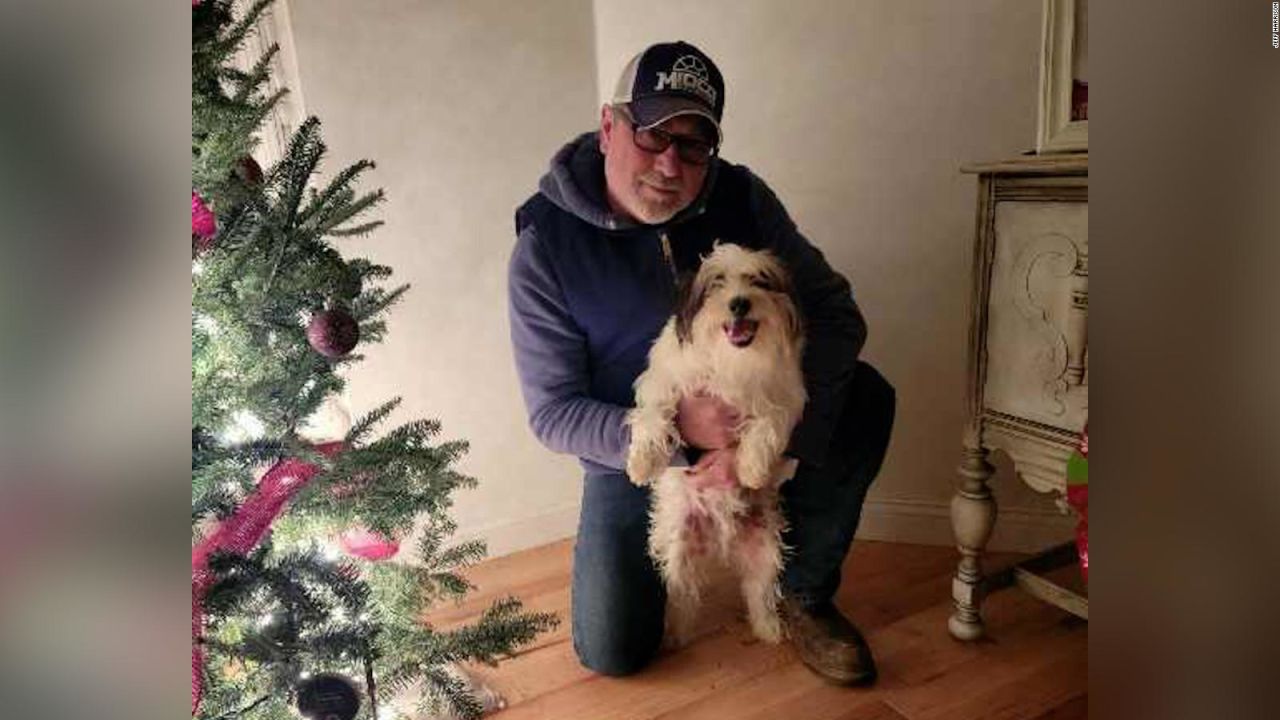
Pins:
x,y
500,629
342,580
378,301
215,501
349,209
360,430
330,644
294,171
370,270
451,693
450,585
462,555
329,199
231,40
249,83
356,230
400,676
244,711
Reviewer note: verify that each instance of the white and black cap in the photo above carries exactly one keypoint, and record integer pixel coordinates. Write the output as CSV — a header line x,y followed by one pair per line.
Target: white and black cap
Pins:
x,y
670,79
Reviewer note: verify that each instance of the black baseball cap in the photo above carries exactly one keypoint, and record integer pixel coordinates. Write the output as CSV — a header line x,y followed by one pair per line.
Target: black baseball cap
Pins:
x,y
670,79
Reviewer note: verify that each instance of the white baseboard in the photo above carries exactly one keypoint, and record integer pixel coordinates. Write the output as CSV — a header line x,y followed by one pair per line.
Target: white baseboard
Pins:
x,y
929,523
908,521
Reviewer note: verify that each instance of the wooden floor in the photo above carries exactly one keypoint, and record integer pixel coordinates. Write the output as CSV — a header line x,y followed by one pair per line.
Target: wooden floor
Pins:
x,y
1032,664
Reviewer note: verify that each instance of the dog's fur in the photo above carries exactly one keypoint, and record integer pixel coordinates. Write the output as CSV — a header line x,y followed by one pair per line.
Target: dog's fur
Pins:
x,y
702,349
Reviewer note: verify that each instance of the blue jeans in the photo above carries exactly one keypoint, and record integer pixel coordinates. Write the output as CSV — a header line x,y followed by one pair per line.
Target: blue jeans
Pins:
x,y
618,596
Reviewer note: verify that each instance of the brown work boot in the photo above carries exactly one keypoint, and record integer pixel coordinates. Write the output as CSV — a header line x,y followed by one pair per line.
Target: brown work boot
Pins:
x,y
828,643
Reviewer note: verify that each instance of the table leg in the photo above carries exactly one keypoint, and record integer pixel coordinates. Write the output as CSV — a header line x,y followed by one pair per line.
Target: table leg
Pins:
x,y
973,516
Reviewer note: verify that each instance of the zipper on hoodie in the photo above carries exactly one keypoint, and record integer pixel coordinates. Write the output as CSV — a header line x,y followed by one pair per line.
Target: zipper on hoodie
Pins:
x,y
666,255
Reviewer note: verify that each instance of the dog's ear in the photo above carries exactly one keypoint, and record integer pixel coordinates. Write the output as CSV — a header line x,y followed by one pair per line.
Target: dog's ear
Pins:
x,y
780,279
795,317
690,296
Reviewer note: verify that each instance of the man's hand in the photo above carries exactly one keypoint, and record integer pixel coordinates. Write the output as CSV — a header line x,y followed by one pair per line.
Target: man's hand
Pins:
x,y
707,422
716,468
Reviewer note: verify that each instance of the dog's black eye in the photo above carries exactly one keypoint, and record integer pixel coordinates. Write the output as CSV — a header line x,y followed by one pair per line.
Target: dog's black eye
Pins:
x,y
717,280
759,281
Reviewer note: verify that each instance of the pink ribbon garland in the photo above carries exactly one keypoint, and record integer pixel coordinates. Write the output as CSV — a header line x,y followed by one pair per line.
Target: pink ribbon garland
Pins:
x,y
204,223
239,534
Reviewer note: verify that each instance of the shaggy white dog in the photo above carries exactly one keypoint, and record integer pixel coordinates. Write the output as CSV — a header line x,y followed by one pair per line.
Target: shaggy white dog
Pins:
x,y
736,335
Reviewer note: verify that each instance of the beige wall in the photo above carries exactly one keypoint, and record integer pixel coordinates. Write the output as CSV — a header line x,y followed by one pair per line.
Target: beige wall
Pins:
x,y
857,113
461,103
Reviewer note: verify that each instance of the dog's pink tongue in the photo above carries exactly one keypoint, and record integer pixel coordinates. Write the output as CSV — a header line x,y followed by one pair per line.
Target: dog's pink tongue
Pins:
x,y
741,330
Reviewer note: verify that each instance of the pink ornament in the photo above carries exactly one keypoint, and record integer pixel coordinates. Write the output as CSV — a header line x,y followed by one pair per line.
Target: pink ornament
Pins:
x,y
333,333
203,222
368,544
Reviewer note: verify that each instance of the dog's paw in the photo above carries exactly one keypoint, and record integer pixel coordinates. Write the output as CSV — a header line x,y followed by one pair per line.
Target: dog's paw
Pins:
x,y
643,467
752,475
649,453
767,627
756,467
675,641
753,481
680,622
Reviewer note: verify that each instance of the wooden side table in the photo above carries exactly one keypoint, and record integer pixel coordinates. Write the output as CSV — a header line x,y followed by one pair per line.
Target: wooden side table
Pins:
x,y
1028,349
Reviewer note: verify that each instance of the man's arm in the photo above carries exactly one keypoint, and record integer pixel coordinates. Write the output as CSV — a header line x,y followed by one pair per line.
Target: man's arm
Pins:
x,y
551,360
834,328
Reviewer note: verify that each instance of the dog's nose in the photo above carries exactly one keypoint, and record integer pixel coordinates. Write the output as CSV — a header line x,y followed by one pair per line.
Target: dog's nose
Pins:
x,y
739,306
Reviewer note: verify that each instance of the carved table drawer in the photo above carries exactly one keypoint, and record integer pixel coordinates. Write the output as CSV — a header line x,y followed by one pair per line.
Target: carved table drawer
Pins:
x,y
1028,380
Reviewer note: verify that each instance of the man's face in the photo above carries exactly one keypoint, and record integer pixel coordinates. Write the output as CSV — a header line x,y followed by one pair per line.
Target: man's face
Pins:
x,y
646,186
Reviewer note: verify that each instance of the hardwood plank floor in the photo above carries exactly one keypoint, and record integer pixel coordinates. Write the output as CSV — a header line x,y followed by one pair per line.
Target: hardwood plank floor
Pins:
x,y
1033,663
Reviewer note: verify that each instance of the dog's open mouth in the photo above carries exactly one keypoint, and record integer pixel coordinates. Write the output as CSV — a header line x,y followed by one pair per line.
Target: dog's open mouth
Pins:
x,y
741,332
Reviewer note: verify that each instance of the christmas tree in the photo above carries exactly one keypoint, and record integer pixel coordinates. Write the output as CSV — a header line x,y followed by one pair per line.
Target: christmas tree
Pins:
x,y
283,622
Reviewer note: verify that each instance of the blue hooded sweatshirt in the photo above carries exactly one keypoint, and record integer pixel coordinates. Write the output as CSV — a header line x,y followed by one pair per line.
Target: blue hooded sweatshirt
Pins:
x,y
589,291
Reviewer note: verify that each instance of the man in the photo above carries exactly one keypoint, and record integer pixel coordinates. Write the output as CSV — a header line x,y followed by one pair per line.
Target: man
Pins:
x,y
622,214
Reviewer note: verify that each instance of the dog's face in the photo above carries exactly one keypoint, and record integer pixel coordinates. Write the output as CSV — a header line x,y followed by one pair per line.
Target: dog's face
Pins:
x,y
740,299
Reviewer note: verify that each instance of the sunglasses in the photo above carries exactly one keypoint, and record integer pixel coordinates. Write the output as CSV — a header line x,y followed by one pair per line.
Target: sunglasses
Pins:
x,y
692,150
